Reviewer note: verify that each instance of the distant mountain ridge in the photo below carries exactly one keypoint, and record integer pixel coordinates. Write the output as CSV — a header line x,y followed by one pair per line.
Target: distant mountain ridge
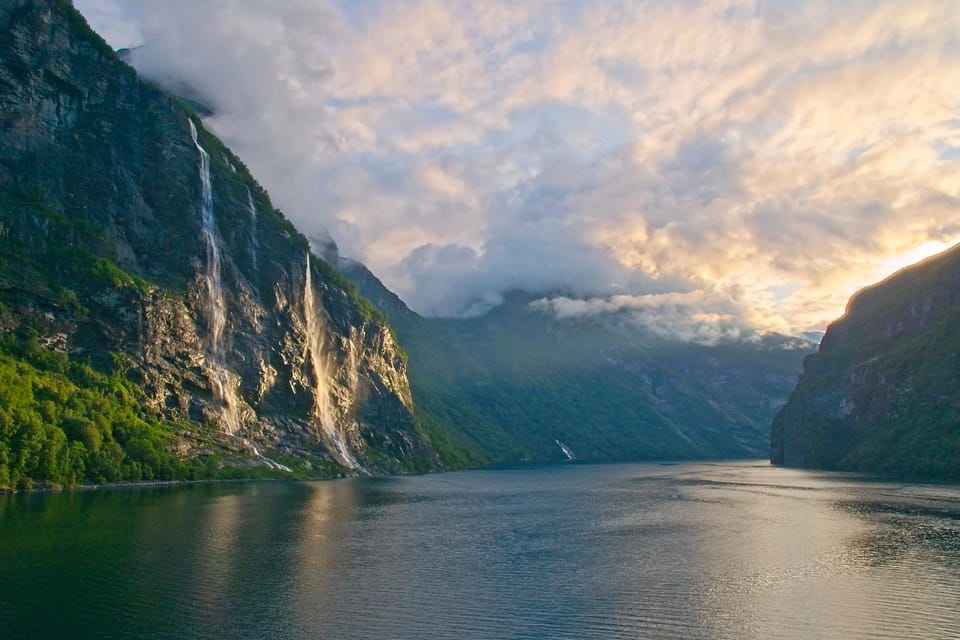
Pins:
x,y
883,391
510,384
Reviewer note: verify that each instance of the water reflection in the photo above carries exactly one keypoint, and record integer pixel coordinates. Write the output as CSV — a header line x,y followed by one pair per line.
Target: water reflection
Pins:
x,y
252,560
626,551
831,563
320,548
763,565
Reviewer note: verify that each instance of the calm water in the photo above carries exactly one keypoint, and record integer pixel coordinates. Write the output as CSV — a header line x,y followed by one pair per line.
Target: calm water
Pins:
x,y
624,551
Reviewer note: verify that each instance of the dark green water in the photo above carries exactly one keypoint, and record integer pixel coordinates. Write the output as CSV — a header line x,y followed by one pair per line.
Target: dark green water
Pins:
x,y
737,550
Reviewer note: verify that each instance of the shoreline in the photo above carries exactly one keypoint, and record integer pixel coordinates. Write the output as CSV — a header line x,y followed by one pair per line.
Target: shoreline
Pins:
x,y
145,484
861,476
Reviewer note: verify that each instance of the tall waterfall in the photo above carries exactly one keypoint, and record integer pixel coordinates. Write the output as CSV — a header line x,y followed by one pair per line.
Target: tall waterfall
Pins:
x,y
222,383
313,353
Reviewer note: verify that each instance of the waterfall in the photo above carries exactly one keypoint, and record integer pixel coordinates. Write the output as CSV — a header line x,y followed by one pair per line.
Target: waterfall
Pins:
x,y
221,381
254,243
271,464
313,353
566,450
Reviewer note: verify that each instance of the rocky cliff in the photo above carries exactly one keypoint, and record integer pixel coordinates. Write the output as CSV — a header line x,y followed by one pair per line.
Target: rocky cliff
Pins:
x,y
132,239
883,391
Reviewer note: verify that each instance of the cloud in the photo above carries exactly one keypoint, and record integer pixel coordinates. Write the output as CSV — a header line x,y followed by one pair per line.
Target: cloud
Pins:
x,y
695,316
118,24
788,152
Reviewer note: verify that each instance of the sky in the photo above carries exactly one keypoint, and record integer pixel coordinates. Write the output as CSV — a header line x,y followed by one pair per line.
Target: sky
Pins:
x,y
716,168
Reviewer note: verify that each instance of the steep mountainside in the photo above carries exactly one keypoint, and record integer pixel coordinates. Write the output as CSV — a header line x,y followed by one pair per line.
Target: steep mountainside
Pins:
x,y
132,240
517,382
883,392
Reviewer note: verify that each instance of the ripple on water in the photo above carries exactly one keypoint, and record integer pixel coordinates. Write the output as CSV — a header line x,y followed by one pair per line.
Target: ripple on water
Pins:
x,y
585,552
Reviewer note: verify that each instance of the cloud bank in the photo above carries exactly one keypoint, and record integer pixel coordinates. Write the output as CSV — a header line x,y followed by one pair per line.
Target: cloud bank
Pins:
x,y
680,316
760,160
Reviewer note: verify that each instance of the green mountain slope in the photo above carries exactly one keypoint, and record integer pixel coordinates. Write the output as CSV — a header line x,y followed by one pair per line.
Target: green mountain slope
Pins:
x,y
511,384
883,392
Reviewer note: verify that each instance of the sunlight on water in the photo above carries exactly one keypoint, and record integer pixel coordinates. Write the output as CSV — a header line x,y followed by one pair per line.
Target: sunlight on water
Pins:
x,y
623,551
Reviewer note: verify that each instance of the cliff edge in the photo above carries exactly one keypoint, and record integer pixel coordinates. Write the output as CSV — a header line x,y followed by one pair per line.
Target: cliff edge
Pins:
x,y
883,391
135,244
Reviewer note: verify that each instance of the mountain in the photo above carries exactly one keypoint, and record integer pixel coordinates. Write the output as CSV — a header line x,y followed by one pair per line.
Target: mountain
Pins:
x,y
159,318
883,391
517,382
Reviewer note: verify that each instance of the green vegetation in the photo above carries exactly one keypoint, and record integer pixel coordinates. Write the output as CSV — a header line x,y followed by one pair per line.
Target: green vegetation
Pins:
x,y
45,252
882,393
505,386
63,423
909,418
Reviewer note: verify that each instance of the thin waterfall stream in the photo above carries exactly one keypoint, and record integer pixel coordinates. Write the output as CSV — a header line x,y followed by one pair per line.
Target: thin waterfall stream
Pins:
x,y
221,381
254,243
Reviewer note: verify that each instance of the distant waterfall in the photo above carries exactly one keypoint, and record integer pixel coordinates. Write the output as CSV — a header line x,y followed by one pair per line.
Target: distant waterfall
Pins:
x,y
214,306
271,464
313,353
566,450
254,242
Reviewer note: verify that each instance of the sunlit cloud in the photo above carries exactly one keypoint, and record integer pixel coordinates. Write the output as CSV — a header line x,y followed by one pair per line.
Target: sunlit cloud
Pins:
x,y
778,155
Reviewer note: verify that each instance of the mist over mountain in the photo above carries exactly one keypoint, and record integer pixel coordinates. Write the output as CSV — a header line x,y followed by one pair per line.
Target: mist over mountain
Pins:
x,y
521,383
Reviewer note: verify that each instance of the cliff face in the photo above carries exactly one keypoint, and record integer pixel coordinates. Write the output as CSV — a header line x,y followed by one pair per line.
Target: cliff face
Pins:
x,y
883,391
129,233
517,382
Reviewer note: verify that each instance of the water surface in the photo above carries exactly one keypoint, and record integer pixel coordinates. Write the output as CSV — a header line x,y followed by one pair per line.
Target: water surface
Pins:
x,y
731,550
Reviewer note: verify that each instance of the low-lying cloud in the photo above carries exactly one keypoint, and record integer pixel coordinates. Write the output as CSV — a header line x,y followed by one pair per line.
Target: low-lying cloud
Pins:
x,y
694,316
774,154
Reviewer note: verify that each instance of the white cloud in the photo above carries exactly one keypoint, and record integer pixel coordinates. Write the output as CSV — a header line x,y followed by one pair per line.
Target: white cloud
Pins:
x,y
694,316
785,151
118,23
